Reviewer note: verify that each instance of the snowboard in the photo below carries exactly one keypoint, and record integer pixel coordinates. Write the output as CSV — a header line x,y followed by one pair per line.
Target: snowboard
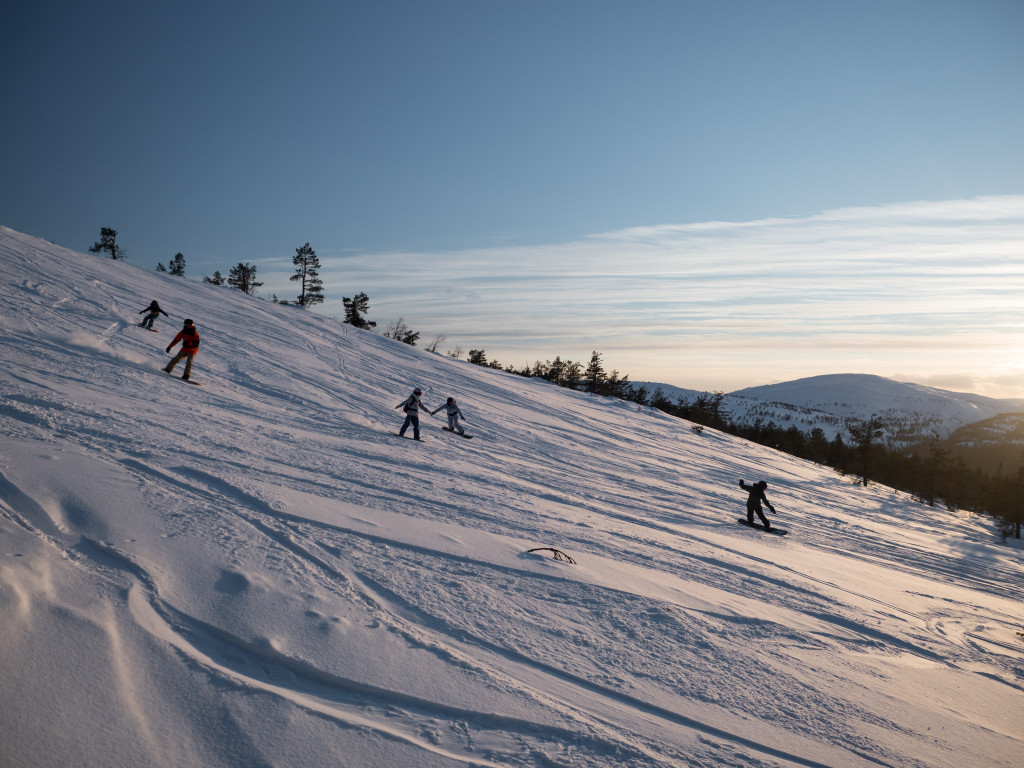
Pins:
x,y
468,437
154,330
407,437
773,529
187,381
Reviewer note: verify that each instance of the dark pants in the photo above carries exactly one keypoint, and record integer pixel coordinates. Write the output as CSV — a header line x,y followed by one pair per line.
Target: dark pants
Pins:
x,y
756,507
411,418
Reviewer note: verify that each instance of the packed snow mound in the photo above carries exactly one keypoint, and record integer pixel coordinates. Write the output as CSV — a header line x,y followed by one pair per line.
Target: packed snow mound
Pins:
x,y
259,571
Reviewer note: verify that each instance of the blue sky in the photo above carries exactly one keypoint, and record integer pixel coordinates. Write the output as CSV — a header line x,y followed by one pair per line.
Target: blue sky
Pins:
x,y
496,171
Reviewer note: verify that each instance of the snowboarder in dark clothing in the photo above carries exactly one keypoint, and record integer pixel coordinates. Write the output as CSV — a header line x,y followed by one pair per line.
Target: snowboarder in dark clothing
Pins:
x,y
411,406
154,312
754,500
189,338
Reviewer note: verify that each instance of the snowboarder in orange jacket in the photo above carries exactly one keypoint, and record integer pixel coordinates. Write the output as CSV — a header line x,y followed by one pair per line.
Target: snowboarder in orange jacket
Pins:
x,y
189,338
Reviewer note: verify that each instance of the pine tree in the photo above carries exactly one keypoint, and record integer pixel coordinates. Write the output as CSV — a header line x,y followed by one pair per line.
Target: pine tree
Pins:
x,y
108,243
243,277
640,395
217,279
177,267
594,373
660,400
617,386
1015,515
865,435
837,453
572,375
160,267
934,471
555,371
307,273
355,310
817,446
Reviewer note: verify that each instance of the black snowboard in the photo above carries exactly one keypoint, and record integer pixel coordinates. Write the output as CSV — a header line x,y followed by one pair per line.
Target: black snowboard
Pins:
x,y
187,381
468,437
410,437
760,527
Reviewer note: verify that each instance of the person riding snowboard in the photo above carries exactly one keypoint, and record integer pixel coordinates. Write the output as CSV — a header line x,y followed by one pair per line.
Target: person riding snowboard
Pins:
x,y
754,500
154,312
411,406
452,409
189,338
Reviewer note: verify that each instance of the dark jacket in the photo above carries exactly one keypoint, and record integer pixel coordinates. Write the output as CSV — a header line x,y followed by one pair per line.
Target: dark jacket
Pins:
x,y
756,495
154,309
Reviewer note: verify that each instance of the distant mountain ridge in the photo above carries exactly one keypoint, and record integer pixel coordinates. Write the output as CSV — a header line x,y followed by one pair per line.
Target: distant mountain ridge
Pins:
x,y
995,444
910,411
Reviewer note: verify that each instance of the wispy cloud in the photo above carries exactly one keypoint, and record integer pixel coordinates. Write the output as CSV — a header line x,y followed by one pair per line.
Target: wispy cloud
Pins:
x,y
925,289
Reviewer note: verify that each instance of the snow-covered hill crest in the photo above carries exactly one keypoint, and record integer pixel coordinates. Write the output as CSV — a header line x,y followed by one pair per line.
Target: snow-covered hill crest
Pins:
x,y
258,571
860,396
911,412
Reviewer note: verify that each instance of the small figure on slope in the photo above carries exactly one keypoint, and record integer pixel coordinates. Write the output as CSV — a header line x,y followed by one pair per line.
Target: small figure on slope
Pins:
x,y
452,409
154,312
411,407
189,338
754,500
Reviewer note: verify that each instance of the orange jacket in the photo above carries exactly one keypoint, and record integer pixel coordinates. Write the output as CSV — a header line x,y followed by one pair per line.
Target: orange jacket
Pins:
x,y
189,339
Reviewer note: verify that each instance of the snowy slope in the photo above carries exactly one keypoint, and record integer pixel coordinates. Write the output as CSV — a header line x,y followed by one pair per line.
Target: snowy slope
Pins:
x,y
260,572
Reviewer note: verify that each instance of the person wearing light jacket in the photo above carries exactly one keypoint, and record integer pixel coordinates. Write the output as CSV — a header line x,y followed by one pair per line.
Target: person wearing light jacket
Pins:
x,y
411,406
189,338
452,409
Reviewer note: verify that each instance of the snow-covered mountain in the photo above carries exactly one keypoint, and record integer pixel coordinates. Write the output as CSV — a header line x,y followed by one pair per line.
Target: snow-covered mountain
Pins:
x,y
258,571
861,396
910,411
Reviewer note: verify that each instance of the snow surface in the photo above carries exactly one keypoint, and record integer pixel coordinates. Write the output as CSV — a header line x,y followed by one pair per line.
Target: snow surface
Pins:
x,y
260,572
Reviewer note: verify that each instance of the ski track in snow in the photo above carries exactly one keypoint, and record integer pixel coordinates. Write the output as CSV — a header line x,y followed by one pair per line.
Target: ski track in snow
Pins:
x,y
269,537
